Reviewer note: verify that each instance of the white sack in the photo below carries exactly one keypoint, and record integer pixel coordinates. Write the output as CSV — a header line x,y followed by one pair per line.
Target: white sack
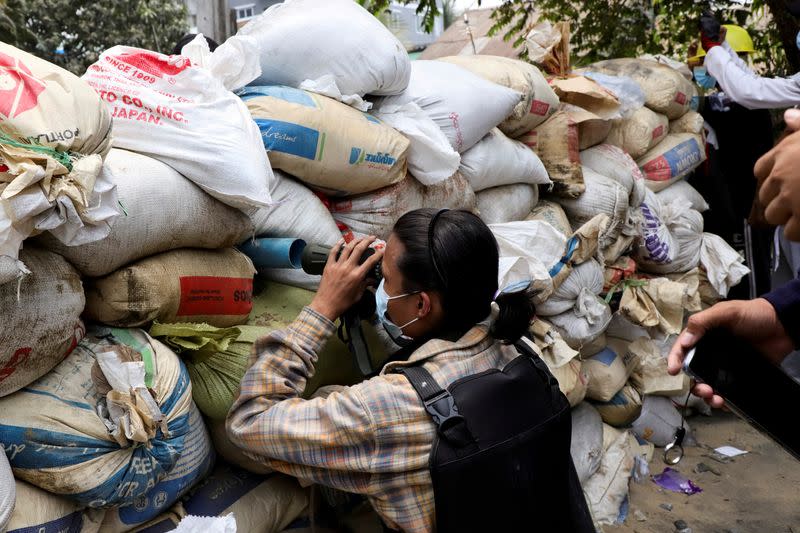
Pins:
x,y
301,40
586,321
607,489
658,421
497,160
175,110
465,106
587,275
691,122
8,491
163,211
603,196
640,132
586,447
613,163
723,265
681,190
671,237
430,157
507,203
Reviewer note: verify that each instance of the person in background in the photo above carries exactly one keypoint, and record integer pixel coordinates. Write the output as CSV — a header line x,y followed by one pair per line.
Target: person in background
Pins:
x,y
438,300
772,323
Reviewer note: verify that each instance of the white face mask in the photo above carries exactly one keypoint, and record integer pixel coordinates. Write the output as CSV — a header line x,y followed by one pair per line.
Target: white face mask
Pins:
x,y
381,308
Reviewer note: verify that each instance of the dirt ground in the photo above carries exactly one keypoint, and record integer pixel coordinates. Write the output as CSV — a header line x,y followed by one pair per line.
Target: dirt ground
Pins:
x,y
758,492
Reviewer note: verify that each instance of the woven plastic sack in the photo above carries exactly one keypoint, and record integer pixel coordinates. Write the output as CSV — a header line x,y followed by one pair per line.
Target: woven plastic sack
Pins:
x,y
38,510
607,490
585,322
553,214
8,492
120,400
557,144
540,101
587,275
612,162
671,237
507,203
215,358
658,421
324,143
640,132
691,122
586,446
342,43
181,111
212,286
603,196
56,131
465,106
683,191
609,370
163,211
672,159
497,160
622,409
40,319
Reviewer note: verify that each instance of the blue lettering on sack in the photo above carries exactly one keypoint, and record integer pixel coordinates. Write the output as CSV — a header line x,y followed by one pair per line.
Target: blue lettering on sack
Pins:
x,y
224,488
683,157
358,156
287,94
606,357
618,399
71,523
288,138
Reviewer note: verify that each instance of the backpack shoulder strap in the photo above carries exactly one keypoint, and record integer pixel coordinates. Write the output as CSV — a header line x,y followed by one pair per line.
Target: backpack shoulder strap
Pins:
x,y
440,405
524,348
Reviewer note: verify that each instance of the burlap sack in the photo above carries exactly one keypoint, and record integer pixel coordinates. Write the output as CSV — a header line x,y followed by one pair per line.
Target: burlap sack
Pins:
x,y
164,211
211,286
639,133
39,319
326,144
557,144
540,101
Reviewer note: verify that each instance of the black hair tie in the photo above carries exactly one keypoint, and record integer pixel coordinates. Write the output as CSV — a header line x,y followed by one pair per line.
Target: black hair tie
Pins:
x,y
431,228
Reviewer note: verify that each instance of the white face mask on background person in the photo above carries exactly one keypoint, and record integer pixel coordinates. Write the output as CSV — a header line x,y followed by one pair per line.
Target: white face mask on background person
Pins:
x,y
381,308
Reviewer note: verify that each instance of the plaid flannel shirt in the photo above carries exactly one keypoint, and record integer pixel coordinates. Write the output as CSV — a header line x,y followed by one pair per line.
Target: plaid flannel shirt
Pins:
x,y
373,438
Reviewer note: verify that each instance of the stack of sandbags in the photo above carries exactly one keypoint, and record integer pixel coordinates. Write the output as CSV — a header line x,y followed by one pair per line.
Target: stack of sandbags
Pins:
x,y
557,144
115,426
55,134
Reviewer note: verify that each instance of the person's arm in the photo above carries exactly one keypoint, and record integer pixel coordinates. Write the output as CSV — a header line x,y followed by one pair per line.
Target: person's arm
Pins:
x,y
327,440
786,301
751,92
739,62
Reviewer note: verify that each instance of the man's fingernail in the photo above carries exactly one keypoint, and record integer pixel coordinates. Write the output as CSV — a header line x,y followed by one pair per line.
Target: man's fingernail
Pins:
x,y
689,338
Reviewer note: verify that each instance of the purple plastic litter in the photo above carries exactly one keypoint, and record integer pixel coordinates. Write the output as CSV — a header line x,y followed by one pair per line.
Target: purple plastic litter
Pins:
x,y
675,481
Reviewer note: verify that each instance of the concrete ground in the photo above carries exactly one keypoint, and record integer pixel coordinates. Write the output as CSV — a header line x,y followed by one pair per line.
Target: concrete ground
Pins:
x,y
758,492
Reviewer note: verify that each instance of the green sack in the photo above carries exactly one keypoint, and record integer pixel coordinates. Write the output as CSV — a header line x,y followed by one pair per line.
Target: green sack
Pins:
x,y
216,359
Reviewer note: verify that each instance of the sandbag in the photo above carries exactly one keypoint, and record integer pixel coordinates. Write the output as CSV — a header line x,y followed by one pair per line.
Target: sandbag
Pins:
x,y
586,446
672,159
297,212
557,144
181,111
622,409
691,122
40,511
497,160
650,376
212,286
8,492
666,90
658,421
539,101
603,196
216,359
639,133
507,203
722,265
56,131
592,130
586,321
39,319
681,190
613,163
609,370
376,213
671,237
658,302
465,106
164,211
341,41
572,381
120,400
621,270
586,276
587,94
194,464
553,214
607,490
324,143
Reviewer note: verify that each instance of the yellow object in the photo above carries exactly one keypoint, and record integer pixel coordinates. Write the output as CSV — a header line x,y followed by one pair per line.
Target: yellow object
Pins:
x,y
737,37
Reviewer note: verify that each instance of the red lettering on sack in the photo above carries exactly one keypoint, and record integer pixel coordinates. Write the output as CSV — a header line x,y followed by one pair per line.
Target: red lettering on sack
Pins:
x,y
681,98
539,108
18,358
573,142
19,88
657,132
658,169
156,64
215,295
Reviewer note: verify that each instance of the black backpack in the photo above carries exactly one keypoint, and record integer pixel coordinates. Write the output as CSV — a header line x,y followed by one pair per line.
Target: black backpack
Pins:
x,y
501,457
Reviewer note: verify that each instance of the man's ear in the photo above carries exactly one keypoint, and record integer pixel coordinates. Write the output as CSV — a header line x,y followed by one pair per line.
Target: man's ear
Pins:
x,y
423,305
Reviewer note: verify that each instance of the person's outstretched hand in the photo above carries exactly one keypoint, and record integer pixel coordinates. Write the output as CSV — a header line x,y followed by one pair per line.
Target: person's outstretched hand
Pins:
x,y
778,174
344,280
753,321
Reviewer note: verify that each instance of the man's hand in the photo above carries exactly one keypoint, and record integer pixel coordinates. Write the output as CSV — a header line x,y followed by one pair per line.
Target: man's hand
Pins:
x,y
778,174
344,280
753,321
